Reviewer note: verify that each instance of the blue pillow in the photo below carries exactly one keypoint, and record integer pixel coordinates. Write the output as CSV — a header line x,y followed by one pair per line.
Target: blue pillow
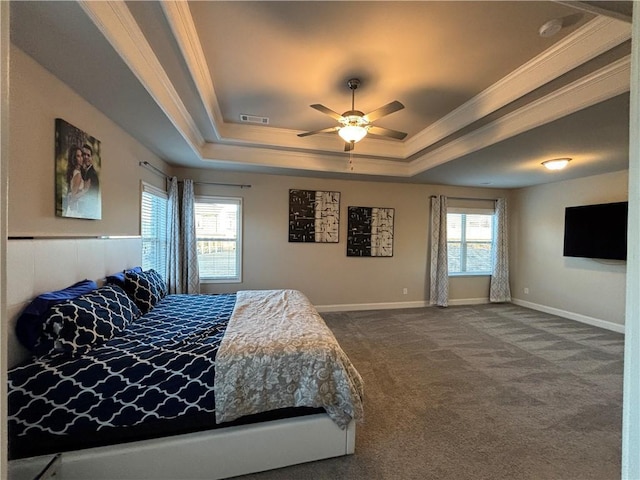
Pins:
x,y
118,278
143,288
76,326
29,324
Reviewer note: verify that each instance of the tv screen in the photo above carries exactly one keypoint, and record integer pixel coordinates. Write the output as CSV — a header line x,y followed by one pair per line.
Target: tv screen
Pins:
x,y
596,231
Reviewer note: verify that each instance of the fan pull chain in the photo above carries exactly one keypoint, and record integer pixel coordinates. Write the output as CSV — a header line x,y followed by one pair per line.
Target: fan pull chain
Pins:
x,y
350,161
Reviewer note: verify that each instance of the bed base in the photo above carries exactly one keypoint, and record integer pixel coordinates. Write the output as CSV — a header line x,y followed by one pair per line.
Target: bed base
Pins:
x,y
213,454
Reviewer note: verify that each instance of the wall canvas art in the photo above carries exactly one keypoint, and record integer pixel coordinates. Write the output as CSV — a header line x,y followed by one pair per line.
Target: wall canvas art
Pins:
x,y
314,216
77,167
370,232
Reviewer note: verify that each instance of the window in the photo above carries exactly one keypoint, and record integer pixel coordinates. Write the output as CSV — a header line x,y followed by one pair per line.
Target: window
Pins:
x,y
153,216
470,243
218,231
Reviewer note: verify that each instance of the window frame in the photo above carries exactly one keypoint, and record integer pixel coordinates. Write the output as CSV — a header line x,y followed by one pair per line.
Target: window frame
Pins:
x,y
218,199
161,264
463,241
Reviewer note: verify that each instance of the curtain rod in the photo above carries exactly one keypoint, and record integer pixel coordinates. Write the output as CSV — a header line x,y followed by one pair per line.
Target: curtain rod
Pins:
x,y
157,171
72,237
469,198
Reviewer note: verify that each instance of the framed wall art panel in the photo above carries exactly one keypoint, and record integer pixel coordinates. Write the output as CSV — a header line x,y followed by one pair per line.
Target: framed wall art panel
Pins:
x,y
314,216
370,232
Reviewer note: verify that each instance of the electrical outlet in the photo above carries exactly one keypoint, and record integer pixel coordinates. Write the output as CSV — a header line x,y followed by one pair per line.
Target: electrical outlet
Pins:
x,y
405,291
526,290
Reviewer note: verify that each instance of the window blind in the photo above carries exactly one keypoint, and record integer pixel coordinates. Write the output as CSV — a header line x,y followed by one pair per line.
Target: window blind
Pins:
x,y
153,228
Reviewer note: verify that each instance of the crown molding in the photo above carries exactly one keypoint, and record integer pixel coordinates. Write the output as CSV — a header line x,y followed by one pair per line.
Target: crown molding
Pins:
x,y
184,31
116,23
590,7
182,26
599,86
252,145
241,156
606,83
286,138
589,41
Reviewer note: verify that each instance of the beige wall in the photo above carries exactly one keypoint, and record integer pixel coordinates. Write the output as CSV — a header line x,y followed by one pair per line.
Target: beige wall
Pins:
x,y
581,287
4,158
586,289
37,98
322,271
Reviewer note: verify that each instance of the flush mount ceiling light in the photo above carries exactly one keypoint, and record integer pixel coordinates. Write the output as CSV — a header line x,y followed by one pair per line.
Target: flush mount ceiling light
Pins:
x,y
556,163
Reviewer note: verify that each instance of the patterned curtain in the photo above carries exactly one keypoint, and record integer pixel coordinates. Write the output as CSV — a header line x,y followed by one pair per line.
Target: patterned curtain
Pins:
x,y
439,278
499,290
190,272
174,259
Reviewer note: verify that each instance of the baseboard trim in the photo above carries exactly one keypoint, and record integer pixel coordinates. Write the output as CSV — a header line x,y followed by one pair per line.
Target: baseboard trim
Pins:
x,y
353,307
468,301
596,322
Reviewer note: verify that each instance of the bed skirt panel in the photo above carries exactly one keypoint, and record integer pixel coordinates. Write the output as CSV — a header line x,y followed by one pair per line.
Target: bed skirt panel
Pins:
x,y
217,454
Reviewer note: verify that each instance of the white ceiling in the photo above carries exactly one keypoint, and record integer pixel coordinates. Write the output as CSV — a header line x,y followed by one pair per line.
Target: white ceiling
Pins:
x,y
487,99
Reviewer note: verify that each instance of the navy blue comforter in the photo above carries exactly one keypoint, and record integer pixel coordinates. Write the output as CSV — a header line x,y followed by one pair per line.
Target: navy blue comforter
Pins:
x,y
160,367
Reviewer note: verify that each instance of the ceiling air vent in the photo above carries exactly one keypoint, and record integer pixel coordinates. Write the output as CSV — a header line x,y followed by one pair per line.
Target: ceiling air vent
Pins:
x,y
254,119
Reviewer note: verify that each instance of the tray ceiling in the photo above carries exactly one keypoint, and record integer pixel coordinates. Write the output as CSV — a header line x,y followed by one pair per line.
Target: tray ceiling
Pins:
x,y
487,98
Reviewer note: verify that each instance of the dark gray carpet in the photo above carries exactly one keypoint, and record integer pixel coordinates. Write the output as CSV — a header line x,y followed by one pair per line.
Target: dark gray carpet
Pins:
x,y
478,392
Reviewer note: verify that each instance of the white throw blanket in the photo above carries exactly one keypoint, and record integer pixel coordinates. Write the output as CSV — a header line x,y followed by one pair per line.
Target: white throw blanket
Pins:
x,y
277,352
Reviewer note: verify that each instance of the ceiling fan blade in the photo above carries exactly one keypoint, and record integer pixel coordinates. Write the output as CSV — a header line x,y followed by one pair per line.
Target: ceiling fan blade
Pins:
x,y
386,132
327,111
324,130
384,110
348,146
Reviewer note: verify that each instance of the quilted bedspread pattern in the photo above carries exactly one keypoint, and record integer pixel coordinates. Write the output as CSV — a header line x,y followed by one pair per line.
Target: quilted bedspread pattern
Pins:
x,y
161,367
278,352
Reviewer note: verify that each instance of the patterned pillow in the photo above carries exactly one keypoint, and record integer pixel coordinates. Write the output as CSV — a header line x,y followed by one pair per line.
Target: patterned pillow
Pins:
x,y
118,278
77,325
144,289
31,321
159,283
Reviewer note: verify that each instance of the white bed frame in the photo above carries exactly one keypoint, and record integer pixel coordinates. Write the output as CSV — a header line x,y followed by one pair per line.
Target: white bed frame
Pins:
x,y
36,266
213,454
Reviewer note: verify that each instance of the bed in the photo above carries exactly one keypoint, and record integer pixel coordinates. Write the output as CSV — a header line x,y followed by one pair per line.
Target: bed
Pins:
x,y
198,386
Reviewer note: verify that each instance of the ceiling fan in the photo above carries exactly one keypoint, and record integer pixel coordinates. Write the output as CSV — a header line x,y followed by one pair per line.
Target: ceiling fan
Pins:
x,y
354,125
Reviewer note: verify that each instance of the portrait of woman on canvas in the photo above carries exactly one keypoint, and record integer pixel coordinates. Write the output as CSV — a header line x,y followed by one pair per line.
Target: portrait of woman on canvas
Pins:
x,y
78,166
75,184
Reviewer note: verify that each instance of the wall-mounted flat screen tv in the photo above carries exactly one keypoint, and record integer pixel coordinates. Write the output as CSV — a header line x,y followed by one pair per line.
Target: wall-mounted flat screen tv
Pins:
x,y
596,231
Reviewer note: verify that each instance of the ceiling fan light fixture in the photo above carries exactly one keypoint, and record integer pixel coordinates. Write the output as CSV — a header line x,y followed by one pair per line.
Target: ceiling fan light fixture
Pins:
x,y
352,133
556,163
354,124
